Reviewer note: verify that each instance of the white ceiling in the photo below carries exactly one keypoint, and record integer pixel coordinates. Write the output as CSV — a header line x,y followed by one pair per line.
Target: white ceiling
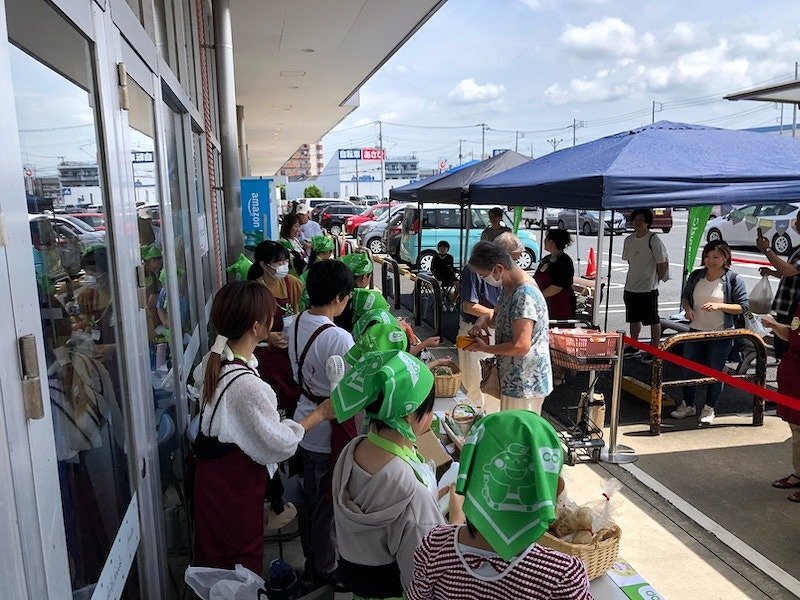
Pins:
x,y
292,96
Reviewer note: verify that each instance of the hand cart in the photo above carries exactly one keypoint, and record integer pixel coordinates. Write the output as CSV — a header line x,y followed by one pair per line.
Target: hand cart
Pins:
x,y
590,351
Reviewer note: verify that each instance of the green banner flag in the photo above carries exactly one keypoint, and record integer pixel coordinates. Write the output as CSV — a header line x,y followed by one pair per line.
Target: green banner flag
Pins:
x,y
517,218
698,217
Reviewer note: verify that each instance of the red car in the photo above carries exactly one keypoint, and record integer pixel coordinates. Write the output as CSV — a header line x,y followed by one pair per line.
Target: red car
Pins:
x,y
96,220
370,214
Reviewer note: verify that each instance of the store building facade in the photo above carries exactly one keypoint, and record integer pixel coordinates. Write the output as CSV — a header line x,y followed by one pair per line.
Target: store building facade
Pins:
x,y
100,338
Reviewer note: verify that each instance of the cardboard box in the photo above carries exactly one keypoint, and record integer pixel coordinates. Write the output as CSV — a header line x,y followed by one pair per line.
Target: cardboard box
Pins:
x,y
431,448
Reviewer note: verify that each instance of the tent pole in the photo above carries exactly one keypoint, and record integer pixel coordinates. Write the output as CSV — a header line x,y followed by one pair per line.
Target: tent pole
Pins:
x,y
608,278
578,241
598,283
461,261
542,225
419,234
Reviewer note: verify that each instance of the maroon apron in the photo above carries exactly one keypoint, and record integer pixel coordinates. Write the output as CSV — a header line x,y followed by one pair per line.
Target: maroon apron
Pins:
x,y
229,494
560,306
274,366
789,374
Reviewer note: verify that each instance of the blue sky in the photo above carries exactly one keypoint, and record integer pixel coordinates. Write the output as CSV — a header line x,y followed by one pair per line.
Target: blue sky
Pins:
x,y
535,65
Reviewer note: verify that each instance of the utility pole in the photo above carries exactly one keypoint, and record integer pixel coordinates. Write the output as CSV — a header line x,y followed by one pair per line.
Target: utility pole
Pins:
x,y
483,141
516,141
657,107
553,142
575,125
460,154
794,108
383,160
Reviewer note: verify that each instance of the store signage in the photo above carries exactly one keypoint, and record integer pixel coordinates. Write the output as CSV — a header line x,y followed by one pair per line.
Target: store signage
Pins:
x,y
362,154
142,157
255,204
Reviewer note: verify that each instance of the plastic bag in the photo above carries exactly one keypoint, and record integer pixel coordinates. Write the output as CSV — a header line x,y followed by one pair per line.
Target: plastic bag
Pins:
x,y
224,584
754,324
761,296
602,510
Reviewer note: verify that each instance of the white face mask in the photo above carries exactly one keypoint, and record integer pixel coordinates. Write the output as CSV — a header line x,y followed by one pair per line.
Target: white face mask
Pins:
x,y
280,272
490,280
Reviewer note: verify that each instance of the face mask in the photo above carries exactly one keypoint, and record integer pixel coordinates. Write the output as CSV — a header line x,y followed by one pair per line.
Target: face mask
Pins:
x,y
490,280
281,271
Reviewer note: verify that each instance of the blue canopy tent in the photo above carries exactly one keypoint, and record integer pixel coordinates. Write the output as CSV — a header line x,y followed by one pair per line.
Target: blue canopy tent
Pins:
x,y
664,164
453,185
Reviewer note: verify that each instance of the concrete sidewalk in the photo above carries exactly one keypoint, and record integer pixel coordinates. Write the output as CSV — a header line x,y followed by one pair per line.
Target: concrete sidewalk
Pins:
x,y
699,518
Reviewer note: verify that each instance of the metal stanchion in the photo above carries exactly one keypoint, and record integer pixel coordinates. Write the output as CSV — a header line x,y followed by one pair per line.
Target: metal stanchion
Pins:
x,y
617,453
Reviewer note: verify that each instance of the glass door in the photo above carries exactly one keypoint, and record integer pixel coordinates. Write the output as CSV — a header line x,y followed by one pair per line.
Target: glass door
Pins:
x,y
72,252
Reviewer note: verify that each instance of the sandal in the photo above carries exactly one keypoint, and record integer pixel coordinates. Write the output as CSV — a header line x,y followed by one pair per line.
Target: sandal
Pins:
x,y
794,497
786,483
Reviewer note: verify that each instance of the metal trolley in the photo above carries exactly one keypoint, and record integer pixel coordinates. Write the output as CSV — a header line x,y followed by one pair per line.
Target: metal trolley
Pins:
x,y
591,351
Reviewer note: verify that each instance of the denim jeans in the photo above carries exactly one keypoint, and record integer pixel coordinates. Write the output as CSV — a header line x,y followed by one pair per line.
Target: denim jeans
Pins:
x,y
713,354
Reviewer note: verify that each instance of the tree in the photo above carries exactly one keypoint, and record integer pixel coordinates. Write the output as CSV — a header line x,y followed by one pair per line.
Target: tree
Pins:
x,y
282,190
312,191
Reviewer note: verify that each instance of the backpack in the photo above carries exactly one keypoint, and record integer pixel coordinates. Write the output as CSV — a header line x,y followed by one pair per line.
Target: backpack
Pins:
x,y
650,245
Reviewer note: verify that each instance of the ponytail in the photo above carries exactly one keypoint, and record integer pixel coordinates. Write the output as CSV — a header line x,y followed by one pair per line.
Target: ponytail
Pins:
x,y
211,378
255,271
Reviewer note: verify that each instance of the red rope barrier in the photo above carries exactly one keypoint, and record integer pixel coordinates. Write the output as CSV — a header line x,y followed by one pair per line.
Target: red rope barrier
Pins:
x,y
751,261
742,384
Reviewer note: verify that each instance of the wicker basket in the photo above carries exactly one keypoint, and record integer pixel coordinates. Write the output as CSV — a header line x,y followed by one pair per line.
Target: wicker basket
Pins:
x,y
598,556
446,386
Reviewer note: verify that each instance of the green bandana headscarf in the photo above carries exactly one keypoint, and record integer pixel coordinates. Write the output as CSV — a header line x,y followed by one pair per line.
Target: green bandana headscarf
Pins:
x,y
321,243
376,315
286,244
150,251
162,276
358,263
240,268
379,337
404,379
365,299
509,472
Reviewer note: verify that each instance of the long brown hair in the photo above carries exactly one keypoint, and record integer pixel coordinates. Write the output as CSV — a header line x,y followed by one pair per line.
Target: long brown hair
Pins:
x,y
236,307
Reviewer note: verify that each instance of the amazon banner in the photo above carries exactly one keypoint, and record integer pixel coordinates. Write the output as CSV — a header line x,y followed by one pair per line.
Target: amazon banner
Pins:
x,y
258,213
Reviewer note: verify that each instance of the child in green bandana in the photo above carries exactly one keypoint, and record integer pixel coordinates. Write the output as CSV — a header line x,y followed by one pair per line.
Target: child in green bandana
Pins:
x,y
510,479
385,496
361,267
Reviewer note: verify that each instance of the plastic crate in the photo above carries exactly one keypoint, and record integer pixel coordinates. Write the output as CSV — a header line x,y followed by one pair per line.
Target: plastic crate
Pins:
x,y
580,344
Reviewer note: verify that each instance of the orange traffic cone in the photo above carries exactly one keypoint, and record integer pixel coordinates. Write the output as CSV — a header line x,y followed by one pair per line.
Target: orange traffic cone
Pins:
x,y
591,265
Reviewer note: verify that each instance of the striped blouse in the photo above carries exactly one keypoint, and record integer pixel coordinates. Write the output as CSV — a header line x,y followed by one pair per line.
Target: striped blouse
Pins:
x,y
446,570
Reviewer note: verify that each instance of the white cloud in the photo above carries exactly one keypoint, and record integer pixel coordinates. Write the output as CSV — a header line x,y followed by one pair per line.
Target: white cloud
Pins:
x,y
468,91
609,36
362,121
389,116
685,35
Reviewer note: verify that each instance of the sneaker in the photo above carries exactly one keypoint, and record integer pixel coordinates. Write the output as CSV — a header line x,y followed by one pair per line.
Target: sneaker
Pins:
x,y
683,411
279,520
707,415
646,358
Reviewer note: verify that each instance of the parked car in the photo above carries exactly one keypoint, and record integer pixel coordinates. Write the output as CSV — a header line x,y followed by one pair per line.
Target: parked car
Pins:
x,y
662,219
370,234
589,221
333,217
76,230
55,258
95,220
393,235
532,217
443,222
316,206
739,227
370,214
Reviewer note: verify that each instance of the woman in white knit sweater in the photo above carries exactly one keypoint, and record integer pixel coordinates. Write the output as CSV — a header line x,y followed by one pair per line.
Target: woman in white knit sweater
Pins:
x,y
242,437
